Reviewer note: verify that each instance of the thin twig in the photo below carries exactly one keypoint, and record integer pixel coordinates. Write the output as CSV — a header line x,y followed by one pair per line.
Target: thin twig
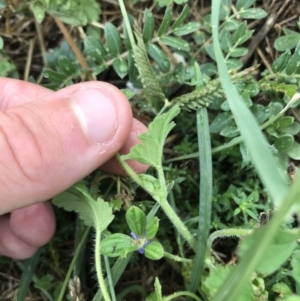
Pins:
x,y
263,32
29,59
41,42
77,52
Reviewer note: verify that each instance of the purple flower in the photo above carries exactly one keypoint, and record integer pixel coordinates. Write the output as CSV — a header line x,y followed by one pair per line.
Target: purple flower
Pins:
x,y
136,237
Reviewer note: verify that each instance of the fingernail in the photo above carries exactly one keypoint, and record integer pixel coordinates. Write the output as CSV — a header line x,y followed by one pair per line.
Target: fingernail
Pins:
x,y
96,113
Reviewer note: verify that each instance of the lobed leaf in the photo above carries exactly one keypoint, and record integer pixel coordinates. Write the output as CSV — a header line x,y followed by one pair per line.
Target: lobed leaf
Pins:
x,y
149,151
96,213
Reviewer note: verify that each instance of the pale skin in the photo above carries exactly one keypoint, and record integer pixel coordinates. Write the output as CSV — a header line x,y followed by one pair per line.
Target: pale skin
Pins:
x,y
50,140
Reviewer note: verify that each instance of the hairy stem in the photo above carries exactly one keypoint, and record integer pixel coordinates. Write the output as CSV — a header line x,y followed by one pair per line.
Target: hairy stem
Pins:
x,y
99,267
161,198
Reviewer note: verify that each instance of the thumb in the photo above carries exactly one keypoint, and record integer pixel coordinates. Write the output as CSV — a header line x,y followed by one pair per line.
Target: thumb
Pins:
x,y
50,143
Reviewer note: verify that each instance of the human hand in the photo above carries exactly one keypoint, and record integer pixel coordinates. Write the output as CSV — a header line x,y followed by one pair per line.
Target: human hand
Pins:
x,y
50,140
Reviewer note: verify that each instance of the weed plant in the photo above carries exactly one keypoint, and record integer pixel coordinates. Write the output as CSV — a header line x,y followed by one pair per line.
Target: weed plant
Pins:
x,y
220,202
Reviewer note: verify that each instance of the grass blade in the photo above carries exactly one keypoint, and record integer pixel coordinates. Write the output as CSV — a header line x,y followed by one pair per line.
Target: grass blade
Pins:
x,y
205,196
27,275
249,128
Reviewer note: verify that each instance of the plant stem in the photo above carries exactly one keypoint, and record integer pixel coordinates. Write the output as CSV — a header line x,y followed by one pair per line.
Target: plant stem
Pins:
x,y
82,61
68,275
177,294
162,200
227,233
109,278
173,217
177,258
99,267
127,23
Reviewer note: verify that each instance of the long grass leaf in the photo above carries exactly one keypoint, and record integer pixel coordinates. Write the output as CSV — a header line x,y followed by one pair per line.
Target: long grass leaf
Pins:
x,y
27,275
249,128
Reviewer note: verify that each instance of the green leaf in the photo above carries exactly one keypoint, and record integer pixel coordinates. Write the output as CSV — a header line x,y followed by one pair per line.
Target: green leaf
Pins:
x,y
180,1
233,64
148,28
121,67
152,227
252,13
149,151
261,113
94,49
39,12
237,52
29,269
184,13
176,43
3,4
125,33
284,121
226,40
229,131
151,184
280,63
186,28
244,4
45,282
225,9
113,39
292,129
284,143
132,70
67,66
136,220
295,263
54,76
158,290
277,252
291,298
160,57
1,43
96,213
164,2
241,30
287,42
215,279
293,63
283,289
294,151
165,22
210,51
154,250
221,121
76,13
128,93
118,245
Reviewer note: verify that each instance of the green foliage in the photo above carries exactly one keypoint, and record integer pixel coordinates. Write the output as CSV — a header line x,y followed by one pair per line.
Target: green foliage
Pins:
x,y
81,12
150,150
174,64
